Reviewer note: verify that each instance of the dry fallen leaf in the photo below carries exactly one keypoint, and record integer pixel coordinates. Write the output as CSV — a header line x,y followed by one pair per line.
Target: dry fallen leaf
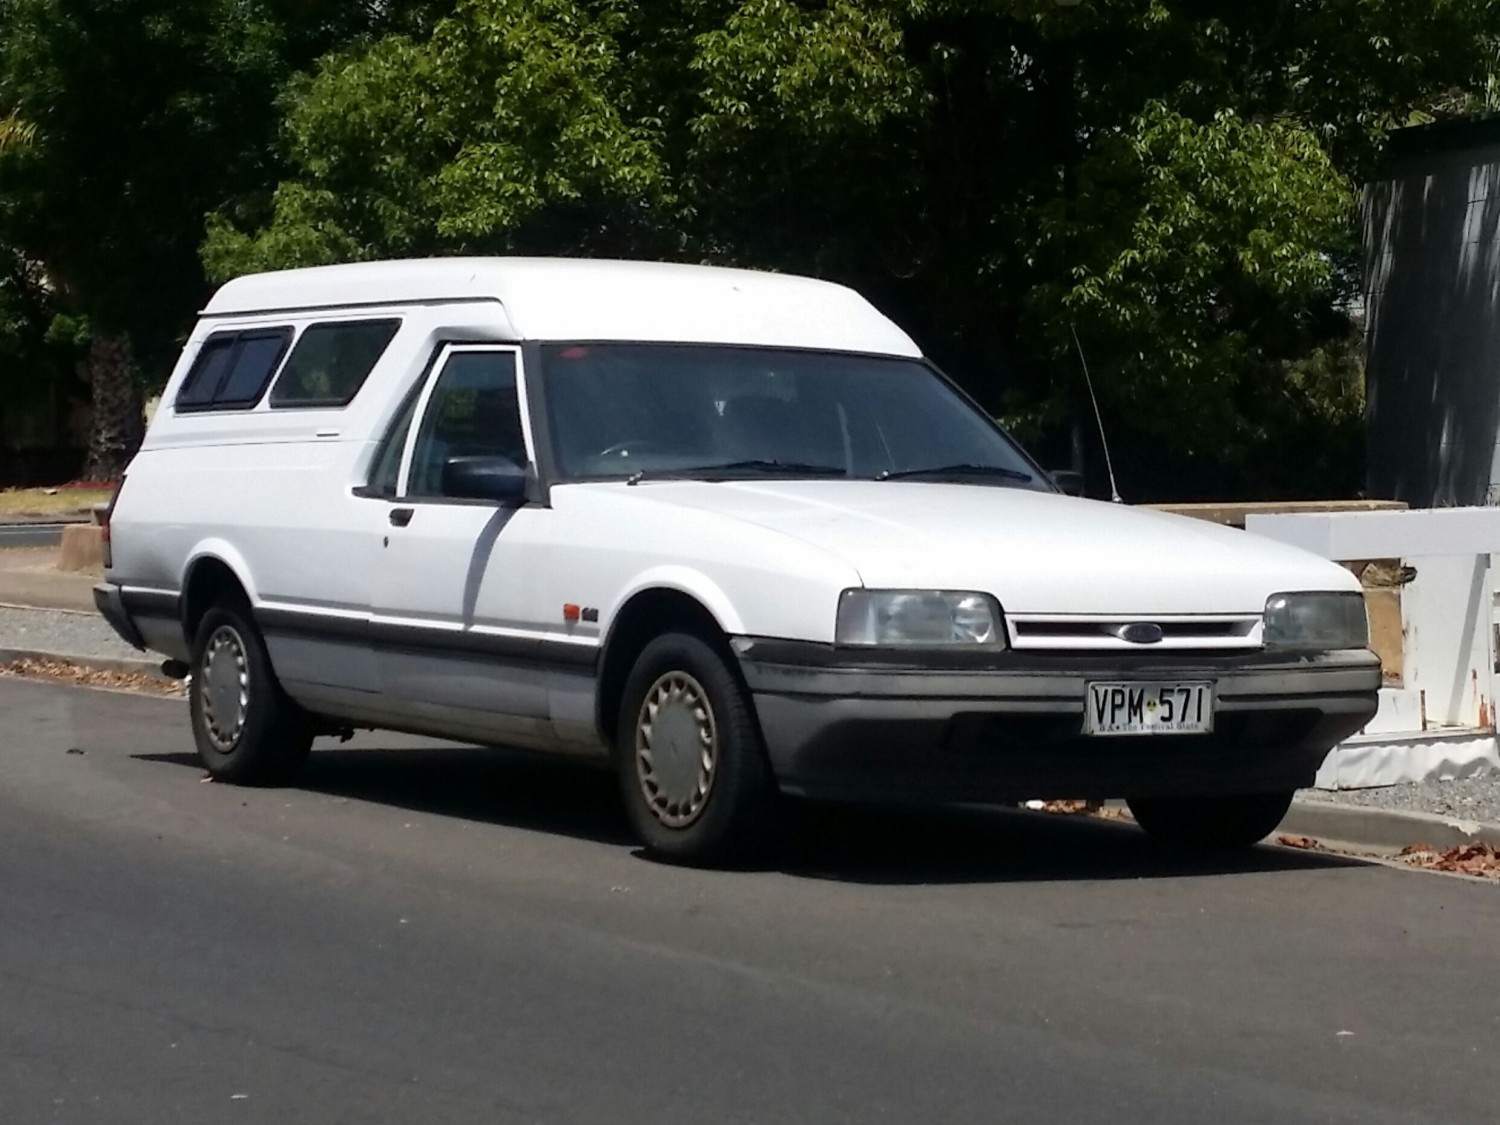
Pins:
x,y
1306,843
1478,860
67,672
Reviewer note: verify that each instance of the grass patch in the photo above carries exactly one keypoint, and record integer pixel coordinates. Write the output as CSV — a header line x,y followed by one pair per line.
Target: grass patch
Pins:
x,y
50,501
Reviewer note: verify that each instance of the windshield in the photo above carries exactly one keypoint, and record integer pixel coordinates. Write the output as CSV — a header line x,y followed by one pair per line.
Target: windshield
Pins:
x,y
618,410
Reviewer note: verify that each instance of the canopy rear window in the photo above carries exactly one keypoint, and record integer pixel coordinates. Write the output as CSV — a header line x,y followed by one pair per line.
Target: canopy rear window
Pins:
x,y
232,370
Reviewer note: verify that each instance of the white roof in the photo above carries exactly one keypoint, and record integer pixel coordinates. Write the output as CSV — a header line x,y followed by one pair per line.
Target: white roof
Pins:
x,y
584,299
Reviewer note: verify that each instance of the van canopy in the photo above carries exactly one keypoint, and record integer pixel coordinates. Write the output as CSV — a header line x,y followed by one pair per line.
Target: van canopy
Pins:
x,y
572,299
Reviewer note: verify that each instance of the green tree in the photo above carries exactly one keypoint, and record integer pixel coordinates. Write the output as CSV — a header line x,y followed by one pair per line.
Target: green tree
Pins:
x,y
15,133
1173,178
141,116
514,124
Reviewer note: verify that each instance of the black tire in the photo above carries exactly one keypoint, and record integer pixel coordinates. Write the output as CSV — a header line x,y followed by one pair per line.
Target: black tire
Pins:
x,y
682,808
268,738
1211,823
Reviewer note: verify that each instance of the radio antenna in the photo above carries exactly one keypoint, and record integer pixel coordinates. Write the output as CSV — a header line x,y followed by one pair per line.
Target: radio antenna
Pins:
x,y
1109,465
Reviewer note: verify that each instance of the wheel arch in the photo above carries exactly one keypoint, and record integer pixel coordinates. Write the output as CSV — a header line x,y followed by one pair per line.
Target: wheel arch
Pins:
x,y
644,615
215,571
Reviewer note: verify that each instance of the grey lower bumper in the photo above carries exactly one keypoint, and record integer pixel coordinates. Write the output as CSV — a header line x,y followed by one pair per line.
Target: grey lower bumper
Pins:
x,y
1014,731
112,606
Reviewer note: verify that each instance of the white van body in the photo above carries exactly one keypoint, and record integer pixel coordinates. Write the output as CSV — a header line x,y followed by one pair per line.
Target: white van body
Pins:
x,y
393,603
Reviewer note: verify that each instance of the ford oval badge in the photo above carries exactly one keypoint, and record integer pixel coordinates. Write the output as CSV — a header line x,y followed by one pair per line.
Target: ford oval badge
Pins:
x,y
1140,633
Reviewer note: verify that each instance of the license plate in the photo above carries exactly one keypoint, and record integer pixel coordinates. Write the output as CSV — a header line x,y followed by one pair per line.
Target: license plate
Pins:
x,y
1140,708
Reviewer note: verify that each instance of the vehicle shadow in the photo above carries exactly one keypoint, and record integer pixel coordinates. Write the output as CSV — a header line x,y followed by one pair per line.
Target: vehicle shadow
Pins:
x,y
838,843
502,787
887,846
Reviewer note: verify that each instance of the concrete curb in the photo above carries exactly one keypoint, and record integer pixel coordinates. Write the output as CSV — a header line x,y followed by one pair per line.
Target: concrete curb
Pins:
x,y
1354,828
1382,829
81,515
81,549
32,608
127,667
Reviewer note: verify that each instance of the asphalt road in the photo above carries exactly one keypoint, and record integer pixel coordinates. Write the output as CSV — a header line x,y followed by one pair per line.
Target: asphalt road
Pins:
x,y
444,935
31,534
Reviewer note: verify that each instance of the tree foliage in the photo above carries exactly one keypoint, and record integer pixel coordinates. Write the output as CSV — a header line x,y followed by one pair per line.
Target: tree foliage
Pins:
x,y
143,116
122,123
1171,179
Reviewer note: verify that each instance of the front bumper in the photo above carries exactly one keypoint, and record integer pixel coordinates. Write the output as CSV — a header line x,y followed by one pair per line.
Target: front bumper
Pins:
x,y
1009,726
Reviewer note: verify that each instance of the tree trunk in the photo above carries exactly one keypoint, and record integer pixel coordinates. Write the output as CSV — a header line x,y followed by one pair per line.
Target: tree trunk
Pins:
x,y
119,419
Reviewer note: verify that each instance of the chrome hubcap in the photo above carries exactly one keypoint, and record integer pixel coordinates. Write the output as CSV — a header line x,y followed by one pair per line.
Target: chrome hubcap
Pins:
x,y
226,687
676,749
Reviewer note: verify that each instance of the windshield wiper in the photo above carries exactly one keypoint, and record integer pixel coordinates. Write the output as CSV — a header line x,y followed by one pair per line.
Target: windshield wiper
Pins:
x,y
790,468
959,470
754,465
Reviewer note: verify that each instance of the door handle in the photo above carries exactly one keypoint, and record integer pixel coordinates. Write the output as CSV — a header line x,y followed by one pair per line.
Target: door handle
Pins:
x,y
400,517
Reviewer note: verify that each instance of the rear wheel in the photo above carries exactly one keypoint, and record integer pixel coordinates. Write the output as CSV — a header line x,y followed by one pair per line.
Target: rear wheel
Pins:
x,y
247,730
1211,823
689,757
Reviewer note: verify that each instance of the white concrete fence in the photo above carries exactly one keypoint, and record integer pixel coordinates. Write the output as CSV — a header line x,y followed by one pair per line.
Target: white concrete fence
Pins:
x,y
1437,711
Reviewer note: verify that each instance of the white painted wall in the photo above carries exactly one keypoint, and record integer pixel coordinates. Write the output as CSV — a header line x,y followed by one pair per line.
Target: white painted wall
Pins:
x,y
1439,724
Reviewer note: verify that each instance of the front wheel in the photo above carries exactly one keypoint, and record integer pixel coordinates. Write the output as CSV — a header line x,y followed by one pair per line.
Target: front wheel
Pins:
x,y
247,730
1211,823
689,757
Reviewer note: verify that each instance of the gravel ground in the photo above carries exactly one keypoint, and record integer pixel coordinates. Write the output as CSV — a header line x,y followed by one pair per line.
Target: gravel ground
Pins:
x,y
51,630
1474,798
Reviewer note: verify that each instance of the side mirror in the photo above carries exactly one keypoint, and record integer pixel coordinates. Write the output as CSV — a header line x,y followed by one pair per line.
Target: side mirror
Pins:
x,y
484,478
1067,481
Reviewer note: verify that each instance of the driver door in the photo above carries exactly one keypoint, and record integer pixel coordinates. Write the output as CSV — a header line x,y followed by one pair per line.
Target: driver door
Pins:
x,y
457,585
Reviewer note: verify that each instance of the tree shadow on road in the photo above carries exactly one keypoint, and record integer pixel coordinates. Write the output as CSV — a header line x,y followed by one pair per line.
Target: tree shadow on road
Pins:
x,y
838,843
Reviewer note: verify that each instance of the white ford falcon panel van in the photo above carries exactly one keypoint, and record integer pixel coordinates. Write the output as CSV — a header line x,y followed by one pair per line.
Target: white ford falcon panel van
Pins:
x,y
728,531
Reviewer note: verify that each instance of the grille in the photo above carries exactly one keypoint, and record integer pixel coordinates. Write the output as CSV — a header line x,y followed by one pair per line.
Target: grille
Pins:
x,y
1105,634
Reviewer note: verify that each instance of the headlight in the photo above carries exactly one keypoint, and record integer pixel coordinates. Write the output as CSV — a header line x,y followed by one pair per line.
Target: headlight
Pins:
x,y
1316,621
918,617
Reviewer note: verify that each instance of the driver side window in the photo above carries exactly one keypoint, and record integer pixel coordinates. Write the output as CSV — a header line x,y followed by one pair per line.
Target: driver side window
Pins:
x,y
474,411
